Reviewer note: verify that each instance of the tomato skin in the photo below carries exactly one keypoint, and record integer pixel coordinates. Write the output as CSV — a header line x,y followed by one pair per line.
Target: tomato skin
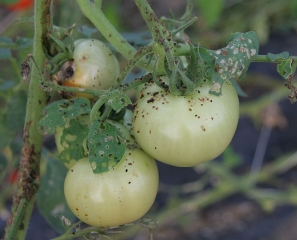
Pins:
x,y
184,131
95,67
122,195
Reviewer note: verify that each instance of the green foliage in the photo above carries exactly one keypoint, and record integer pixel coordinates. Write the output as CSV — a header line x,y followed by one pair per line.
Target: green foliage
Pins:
x,y
3,165
233,60
118,100
279,56
210,10
106,146
51,202
105,143
16,111
74,136
287,68
61,112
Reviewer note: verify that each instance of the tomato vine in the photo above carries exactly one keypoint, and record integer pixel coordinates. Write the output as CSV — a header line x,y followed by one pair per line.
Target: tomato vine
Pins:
x,y
106,145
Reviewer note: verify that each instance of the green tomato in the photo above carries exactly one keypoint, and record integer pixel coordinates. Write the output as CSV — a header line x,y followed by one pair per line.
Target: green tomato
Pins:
x,y
119,196
72,146
185,130
95,67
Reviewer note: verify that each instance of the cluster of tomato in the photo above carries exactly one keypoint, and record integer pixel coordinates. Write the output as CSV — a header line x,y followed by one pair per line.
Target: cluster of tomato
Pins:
x,y
181,131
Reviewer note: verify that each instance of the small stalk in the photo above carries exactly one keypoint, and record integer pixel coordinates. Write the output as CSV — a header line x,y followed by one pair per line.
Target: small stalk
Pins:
x,y
28,181
97,17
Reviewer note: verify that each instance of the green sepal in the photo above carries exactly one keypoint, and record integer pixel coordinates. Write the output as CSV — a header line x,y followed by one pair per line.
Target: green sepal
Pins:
x,y
179,83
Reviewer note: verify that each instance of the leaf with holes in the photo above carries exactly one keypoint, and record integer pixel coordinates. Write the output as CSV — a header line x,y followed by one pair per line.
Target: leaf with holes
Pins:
x,y
233,60
71,140
61,112
106,146
287,68
118,100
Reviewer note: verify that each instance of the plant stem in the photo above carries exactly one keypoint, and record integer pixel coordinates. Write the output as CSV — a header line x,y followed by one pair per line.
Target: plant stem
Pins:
x,y
28,181
264,58
97,17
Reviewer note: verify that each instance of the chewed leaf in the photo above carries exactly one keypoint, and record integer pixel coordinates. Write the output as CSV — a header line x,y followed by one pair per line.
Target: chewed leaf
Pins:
x,y
73,140
233,60
106,146
118,100
282,55
61,112
287,69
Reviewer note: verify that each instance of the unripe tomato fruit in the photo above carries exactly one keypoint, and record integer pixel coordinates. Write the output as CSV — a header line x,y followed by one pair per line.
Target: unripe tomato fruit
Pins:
x,y
185,130
95,67
119,196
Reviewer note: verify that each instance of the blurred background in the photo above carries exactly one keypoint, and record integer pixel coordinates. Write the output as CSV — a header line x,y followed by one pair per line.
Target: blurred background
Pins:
x,y
247,193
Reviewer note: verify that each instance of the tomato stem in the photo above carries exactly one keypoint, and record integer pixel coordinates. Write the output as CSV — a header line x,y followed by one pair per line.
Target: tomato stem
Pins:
x,y
28,180
264,58
137,57
97,17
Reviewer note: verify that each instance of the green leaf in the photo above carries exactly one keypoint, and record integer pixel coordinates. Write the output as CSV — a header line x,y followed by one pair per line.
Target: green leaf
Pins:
x,y
7,43
5,53
287,68
50,200
6,85
106,146
87,31
233,60
279,56
3,164
16,111
24,43
138,38
238,89
6,136
61,112
74,137
8,1
230,158
118,100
